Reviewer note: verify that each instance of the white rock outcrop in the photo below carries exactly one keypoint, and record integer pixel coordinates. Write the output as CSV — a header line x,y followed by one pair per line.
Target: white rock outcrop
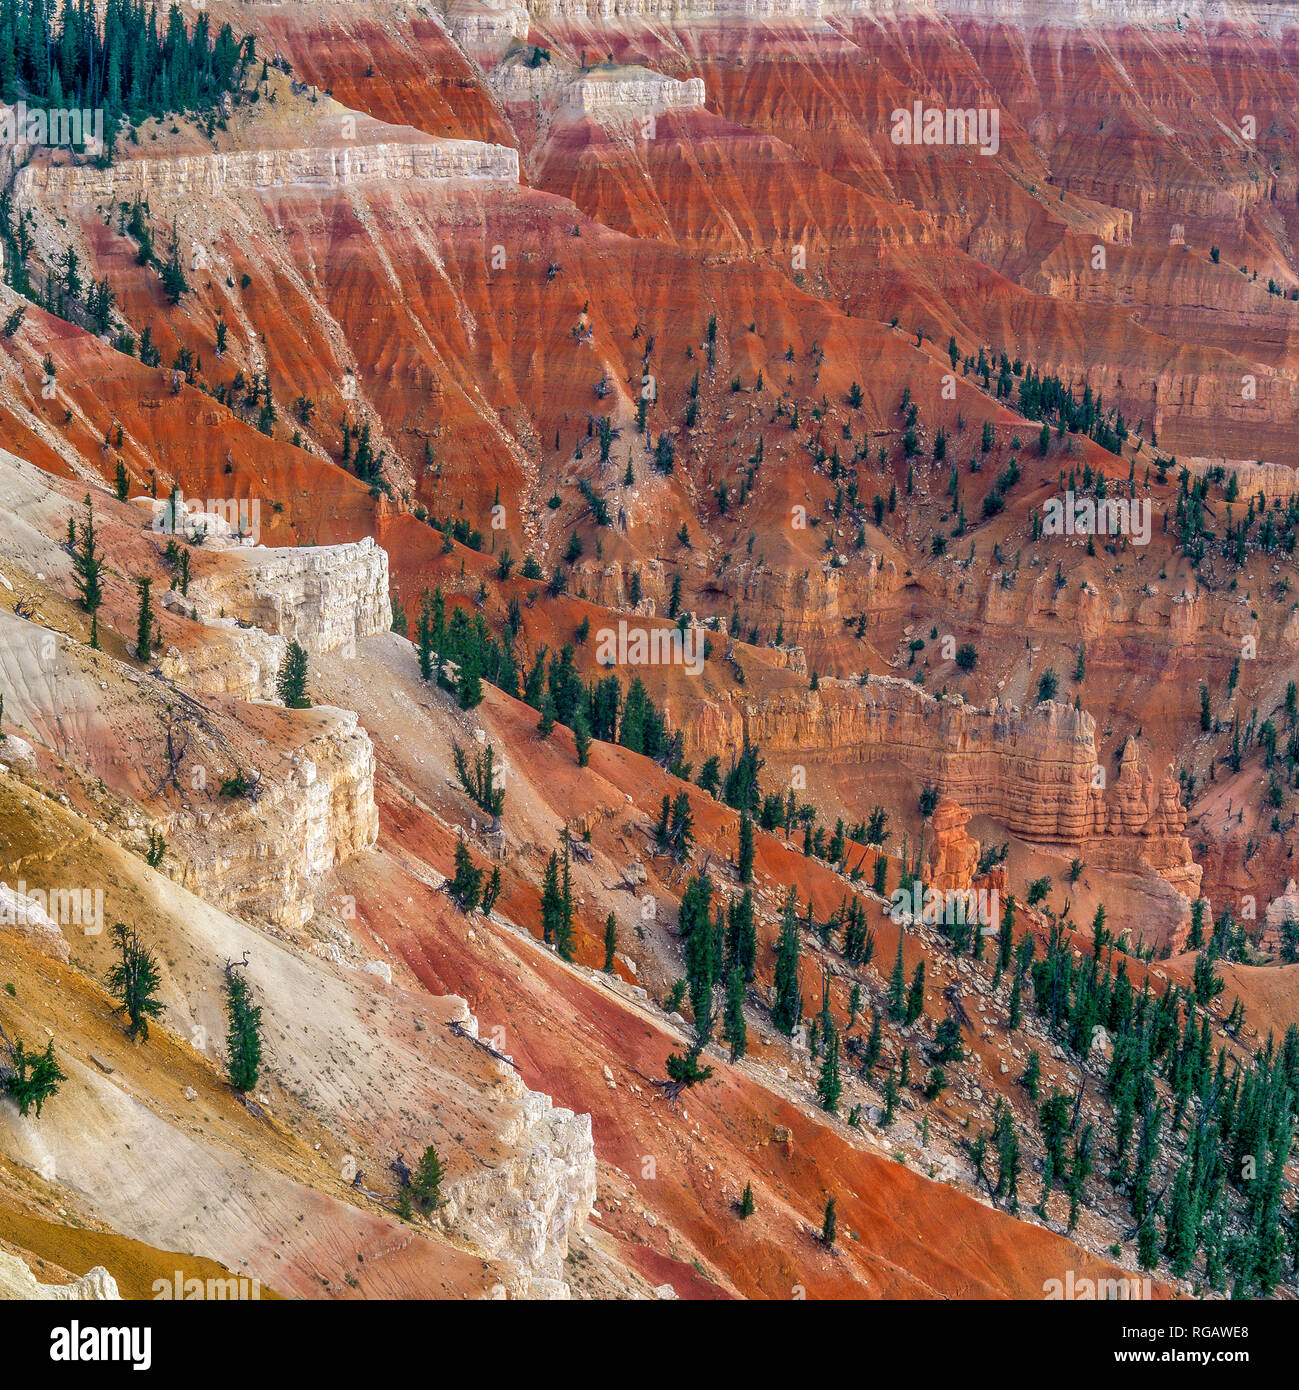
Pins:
x,y
18,1282
22,913
524,1211
262,858
213,175
325,597
623,94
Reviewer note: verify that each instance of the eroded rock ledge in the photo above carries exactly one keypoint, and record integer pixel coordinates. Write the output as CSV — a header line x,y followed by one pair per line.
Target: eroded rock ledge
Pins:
x,y
341,166
325,597
1034,769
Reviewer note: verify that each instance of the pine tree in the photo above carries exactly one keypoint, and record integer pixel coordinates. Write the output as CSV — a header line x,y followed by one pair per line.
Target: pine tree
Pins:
x,y
135,980
564,924
1032,1076
1079,1172
700,950
745,860
897,991
742,939
829,1086
29,1078
891,1097
88,564
174,283
144,622
121,483
469,686
874,1044
828,1225
1007,1142
582,738
424,639
244,1039
1195,940
291,682
916,995
552,900
491,891
467,885
426,1185
747,1205
610,942
1181,1227
483,780
787,1009
546,724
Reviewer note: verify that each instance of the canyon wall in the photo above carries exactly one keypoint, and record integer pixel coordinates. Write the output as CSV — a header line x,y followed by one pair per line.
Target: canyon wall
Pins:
x,y
324,597
1030,13
341,166
626,93
262,858
1034,770
525,1210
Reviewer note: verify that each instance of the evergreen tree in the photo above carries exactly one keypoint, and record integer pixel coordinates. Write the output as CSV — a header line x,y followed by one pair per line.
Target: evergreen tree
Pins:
x,y
469,685
29,1078
829,1086
135,980
564,922
1079,1172
88,563
552,899
610,942
426,1185
874,1044
745,859
491,891
546,723
747,1205
174,284
1007,1142
828,1225
483,780
891,1097
244,1038
897,991
291,682
144,622
787,1009
702,950
1032,1077
710,776
467,885
916,995
741,938
1181,1227
582,738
